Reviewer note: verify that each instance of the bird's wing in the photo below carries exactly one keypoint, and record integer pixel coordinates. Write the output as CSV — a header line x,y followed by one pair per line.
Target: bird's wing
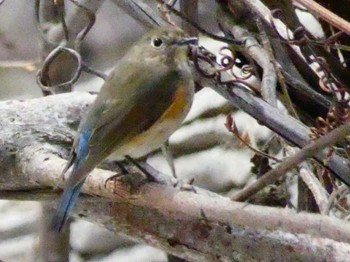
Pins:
x,y
124,109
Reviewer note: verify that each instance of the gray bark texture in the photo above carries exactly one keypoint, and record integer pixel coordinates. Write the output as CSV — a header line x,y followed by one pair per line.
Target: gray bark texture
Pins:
x,y
199,226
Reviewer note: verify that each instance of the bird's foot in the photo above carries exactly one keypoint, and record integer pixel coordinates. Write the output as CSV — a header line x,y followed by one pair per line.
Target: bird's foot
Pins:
x,y
140,166
116,166
123,172
126,184
185,185
130,179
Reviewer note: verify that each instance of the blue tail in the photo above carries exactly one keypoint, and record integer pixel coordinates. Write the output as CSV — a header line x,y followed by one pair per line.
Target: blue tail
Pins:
x,y
67,201
75,181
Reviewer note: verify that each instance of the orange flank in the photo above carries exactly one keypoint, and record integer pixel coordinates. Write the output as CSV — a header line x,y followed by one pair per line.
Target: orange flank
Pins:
x,y
179,105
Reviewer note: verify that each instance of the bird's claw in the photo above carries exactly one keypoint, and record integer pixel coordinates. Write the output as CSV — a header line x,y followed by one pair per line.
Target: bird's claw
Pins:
x,y
185,185
129,183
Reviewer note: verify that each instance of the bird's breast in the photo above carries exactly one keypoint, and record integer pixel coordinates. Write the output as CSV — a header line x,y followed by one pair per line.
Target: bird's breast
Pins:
x,y
160,131
181,102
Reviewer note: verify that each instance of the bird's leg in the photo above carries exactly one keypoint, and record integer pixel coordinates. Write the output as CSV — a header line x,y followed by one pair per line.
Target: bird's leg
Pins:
x,y
136,179
152,174
132,181
118,166
123,172
185,185
169,157
148,175
122,168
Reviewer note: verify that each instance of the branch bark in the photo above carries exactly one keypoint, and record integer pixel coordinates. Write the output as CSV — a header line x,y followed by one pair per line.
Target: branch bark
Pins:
x,y
203,226
35,134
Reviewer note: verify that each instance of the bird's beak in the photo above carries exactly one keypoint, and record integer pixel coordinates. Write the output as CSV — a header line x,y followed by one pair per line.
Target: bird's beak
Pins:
x,y
187,41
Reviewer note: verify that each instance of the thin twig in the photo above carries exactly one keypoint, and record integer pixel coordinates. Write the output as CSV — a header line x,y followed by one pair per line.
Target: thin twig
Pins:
x,y
333,196
61,13
306,152
190,9
257,53
43,78
199,28
269,78
318,191
326,15
232,128
141,12
26,65
42,32
76,21
282,81
92,18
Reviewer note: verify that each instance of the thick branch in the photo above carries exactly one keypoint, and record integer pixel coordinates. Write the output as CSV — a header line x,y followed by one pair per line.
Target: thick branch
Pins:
x,y
190,225
173,220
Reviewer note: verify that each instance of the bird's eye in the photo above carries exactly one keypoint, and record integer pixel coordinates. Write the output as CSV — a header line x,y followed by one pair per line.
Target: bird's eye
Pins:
x,y
157,42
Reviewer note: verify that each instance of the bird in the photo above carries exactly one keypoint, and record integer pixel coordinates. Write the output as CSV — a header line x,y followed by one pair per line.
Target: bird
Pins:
x,y
143,101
